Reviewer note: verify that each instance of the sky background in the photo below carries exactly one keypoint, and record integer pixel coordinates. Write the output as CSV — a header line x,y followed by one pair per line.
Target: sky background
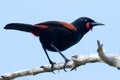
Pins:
x,y
20,50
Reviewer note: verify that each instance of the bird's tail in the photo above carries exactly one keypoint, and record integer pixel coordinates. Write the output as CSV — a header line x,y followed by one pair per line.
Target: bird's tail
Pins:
x,y
21,27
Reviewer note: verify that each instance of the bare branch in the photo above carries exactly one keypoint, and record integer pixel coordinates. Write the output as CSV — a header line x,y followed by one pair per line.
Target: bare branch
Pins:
x,y
76,61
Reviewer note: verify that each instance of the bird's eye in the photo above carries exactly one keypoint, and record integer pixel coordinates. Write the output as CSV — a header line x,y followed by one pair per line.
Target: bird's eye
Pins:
x,y
85,20
88,25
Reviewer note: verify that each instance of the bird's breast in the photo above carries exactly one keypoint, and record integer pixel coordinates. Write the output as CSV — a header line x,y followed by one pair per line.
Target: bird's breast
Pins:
x,y
62,40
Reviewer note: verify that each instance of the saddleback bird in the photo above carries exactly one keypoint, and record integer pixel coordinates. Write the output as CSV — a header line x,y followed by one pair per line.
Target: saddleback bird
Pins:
x,y
57,36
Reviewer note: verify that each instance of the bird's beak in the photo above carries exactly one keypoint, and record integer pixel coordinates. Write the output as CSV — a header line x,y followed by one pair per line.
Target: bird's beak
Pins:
x,y
96,24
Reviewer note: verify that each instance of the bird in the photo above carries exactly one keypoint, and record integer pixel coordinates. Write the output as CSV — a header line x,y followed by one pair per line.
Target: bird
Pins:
x,y
57,36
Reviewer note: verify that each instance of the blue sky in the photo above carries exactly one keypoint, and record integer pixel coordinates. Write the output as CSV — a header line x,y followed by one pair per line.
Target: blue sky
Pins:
x,y
21,50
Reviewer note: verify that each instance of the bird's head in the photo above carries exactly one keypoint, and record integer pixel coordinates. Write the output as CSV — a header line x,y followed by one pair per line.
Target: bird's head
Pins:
x,y
84,24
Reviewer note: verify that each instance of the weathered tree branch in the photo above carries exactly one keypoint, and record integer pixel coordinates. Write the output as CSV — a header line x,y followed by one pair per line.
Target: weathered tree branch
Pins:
x,y
112,60
76,61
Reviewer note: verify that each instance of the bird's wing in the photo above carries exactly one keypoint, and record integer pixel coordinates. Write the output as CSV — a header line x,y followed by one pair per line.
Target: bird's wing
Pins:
x,y
37,28
57,24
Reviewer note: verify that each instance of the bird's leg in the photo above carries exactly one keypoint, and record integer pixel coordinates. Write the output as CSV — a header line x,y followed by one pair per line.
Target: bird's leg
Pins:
x,y
50,61
65,58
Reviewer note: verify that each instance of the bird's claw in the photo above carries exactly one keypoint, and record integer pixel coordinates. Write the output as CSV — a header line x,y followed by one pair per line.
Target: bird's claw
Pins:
x,y
64,66
74,68
52,66
51,69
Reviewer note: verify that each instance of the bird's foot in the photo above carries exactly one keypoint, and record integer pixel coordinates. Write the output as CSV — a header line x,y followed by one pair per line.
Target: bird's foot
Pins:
x,y
52,66
51,69
74,68
64,66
